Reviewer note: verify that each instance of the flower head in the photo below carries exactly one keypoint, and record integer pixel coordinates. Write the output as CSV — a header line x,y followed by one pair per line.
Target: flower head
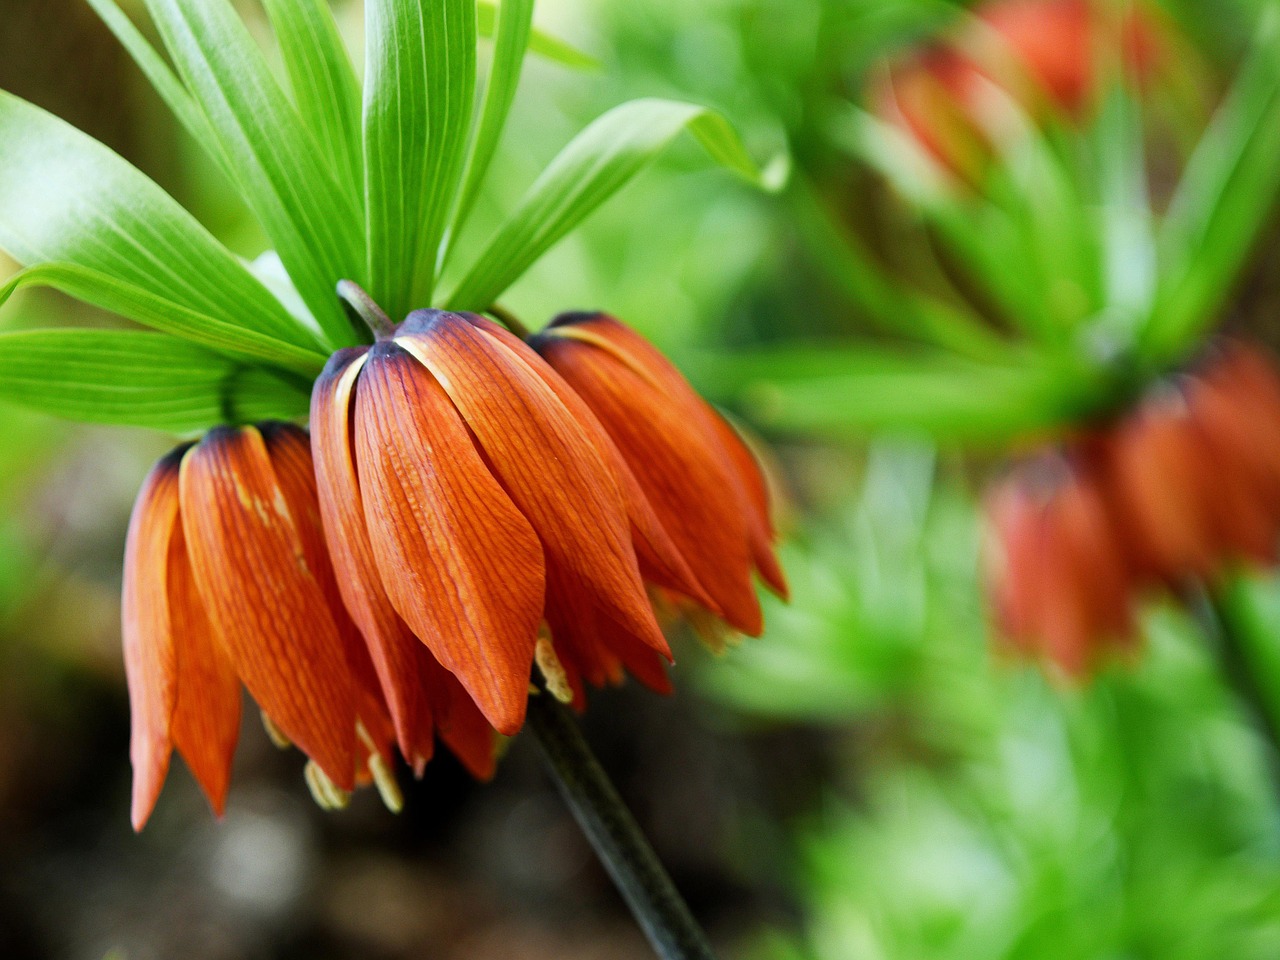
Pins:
x,y
227,581
1180,490
701,478
469,497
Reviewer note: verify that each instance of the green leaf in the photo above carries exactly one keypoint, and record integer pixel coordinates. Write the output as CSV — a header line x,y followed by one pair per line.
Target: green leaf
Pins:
x,y
142,306
847,393
1224,197
597,163
515,18
66,199
543,44
325,87
1125,218
163,79
889,302
418,98
140,379
280,168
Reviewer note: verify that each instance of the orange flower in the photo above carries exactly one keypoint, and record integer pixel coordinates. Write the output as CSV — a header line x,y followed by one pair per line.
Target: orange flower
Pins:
x,y
1180,490
1059,581
701,478
226,581
468,496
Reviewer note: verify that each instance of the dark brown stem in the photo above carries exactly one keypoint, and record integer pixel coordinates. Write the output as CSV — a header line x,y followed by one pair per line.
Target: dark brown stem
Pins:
x,y
614,834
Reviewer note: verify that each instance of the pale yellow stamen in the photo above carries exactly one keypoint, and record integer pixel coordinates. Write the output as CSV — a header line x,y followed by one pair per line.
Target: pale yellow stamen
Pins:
x,y
384,777
275,734
327,794
552,670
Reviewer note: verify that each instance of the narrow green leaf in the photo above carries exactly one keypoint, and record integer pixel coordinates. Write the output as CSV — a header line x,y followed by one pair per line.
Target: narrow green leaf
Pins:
x,y
280,168
67,199
890,303
1224,197
140,379
592,168
418,98
540,42
163,79
325,87
846,393
1125,218
515,18
142,306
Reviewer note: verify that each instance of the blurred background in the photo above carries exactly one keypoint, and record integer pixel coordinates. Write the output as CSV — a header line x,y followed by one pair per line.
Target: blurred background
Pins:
x,y
875,777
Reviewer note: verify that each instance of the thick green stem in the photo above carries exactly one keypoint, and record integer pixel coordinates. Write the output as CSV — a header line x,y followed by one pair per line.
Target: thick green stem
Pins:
x,y
617,840
1226,633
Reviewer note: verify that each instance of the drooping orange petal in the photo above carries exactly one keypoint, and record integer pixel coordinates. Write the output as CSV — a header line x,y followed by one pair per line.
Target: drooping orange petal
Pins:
x,y
149,660
1012,554
289,448
761,522
462,726
1157,472
545,461
668,436
206,717
460,563
658,556
264,599
401,660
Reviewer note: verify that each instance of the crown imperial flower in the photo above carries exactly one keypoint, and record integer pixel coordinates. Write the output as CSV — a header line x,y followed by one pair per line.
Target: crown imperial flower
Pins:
x,y
469,495
1179,491
227,581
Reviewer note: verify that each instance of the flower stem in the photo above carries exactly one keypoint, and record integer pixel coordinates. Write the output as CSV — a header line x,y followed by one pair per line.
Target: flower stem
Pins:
x,y
1222,624
613,833
362,309
509,320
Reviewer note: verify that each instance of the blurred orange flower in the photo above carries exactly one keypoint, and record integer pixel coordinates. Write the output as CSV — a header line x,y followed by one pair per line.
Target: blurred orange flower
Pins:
x,y
1041,56
1181,489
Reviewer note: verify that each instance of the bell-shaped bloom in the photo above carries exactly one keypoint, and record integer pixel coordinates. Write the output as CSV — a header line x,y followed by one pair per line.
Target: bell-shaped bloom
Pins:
x,y
470,497
1180,490
694,468
227,582
1060,584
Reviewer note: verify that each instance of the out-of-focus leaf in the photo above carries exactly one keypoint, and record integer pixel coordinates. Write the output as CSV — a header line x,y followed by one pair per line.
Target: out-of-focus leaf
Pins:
x,y
142,306
891,304
417,54
1052,237
540,42
66,199
514,21
140,379
1126,220
847,393
1224,197
279,167
597,163
983,237
325,86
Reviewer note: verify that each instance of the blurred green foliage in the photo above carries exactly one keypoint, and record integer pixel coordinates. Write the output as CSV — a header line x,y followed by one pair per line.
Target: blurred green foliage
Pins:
x,y
993,812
